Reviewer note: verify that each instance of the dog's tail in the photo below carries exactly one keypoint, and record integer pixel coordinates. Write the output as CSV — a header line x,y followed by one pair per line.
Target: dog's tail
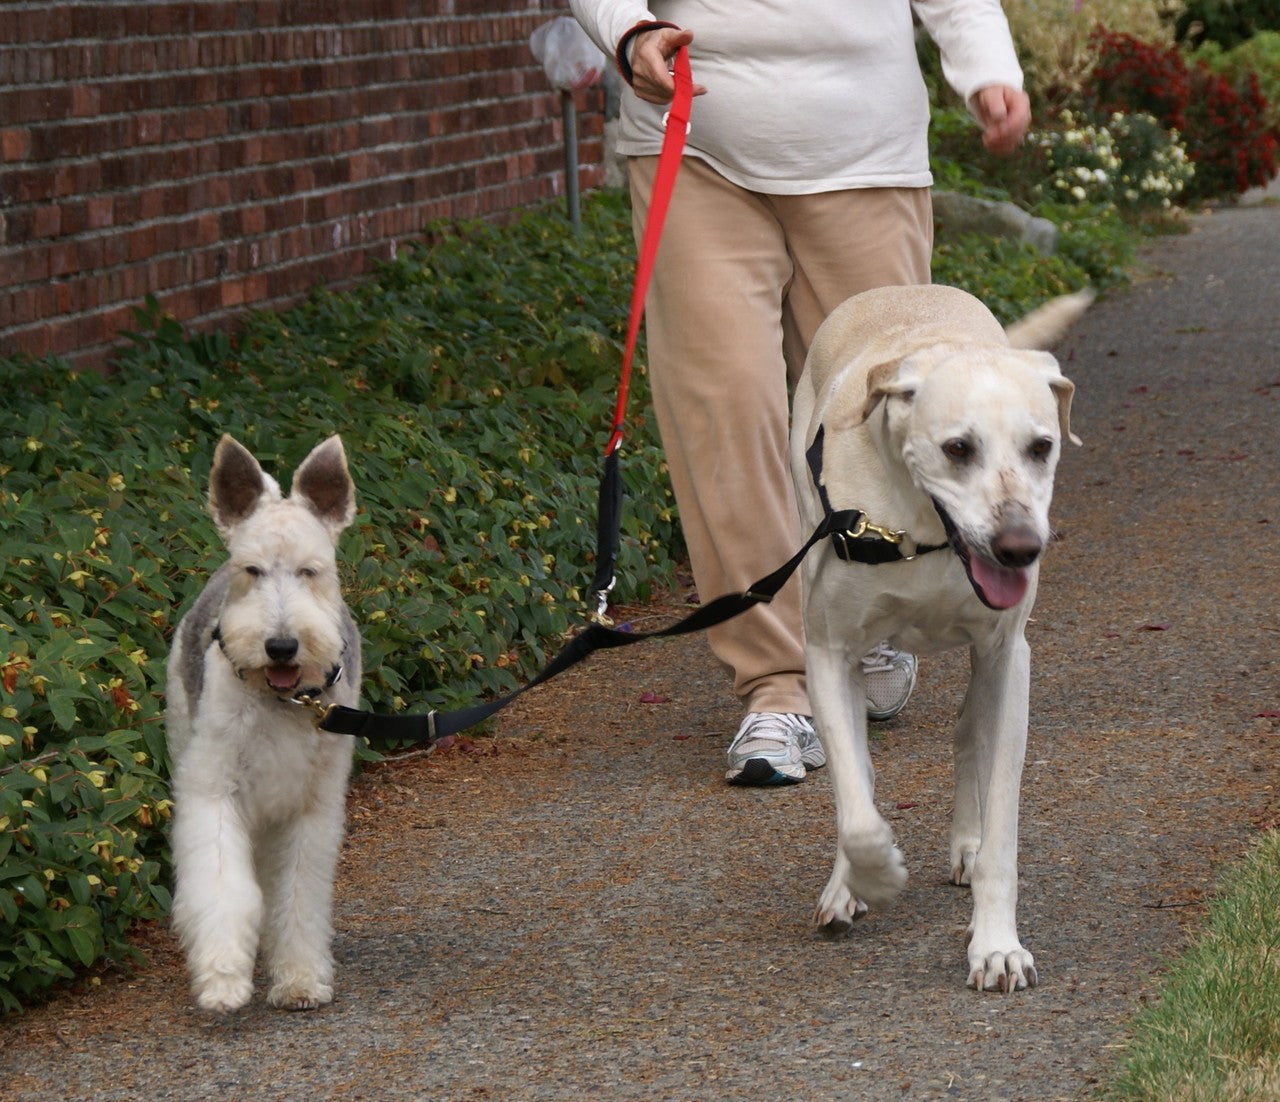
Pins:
x,y
1041,328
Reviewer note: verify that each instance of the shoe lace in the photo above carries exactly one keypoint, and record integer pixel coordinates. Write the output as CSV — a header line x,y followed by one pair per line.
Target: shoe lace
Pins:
x,y
880,659
780,727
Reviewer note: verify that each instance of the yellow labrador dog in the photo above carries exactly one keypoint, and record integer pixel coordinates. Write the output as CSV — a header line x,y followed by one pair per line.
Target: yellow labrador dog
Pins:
x,y
940,432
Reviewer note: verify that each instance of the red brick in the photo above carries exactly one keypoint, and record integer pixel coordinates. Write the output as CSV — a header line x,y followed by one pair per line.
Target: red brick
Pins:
x,y
298,151
15,143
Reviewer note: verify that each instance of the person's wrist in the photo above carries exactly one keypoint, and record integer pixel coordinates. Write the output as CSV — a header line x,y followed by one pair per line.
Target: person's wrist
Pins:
x,y
626,43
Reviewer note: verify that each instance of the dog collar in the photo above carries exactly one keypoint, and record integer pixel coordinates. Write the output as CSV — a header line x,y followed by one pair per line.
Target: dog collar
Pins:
x,y
861,540
331,679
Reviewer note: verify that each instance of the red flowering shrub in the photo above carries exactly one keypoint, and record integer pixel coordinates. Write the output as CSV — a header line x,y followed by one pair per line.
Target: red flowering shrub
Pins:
x,y
1223,127
1226,135
1134,77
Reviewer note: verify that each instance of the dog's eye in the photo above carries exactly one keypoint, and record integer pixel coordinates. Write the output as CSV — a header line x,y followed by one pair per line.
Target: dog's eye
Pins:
x,y
960,451
1042,448
253,571
307,572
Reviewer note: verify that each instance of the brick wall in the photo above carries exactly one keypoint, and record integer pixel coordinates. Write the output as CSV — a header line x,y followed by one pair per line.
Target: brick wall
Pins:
x,y
227,154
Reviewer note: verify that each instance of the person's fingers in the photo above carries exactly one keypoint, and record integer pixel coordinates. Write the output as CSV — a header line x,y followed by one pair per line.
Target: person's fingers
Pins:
x,y
1005,116
652,55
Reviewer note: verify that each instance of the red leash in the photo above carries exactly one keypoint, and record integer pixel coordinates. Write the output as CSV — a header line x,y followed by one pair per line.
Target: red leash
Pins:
x,y
609,513
677,128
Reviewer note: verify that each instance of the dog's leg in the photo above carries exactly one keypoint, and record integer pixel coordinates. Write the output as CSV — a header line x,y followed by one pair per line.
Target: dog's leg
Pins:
x,y
992,737
298,861
868,868
217,907
966,817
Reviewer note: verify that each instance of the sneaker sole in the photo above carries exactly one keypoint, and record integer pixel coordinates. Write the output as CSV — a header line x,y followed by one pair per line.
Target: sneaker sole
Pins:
x,y
759,773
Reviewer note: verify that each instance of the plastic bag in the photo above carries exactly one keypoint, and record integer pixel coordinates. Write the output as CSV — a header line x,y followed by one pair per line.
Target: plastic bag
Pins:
x,y
571,60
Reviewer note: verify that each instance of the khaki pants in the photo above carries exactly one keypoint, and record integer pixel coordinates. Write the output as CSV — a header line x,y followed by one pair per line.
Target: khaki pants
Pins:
x,y
741,282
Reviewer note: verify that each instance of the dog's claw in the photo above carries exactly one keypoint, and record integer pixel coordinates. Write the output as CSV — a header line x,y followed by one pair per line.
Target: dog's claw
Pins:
x,y
838,910
1004,972
839,924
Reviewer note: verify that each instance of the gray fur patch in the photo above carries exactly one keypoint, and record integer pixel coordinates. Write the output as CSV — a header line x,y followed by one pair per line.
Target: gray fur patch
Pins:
x,y
195,633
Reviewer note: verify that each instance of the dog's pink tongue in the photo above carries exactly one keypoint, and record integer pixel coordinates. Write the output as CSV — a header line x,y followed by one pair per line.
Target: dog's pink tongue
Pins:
x,y
1001,586
282,677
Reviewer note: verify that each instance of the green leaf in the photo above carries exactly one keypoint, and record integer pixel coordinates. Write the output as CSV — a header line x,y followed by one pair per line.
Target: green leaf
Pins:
x,y
62,705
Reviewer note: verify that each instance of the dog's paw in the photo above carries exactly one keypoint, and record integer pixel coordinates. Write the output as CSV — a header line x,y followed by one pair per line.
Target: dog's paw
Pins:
x,y
300,996
962,867
223,994
874,869
838,910
1006,970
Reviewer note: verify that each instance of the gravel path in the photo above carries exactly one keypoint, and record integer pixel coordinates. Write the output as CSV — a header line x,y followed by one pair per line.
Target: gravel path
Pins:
x,y
582,909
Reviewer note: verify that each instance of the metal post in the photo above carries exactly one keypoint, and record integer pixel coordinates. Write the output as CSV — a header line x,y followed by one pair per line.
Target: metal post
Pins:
x,y
570,115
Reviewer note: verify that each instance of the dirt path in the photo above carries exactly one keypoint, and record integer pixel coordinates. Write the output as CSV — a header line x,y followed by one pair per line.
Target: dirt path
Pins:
x,y
582,909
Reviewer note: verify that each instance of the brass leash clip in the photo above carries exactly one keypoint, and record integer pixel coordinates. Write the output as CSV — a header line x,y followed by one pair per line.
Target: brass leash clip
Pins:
x,y
864,526
319,708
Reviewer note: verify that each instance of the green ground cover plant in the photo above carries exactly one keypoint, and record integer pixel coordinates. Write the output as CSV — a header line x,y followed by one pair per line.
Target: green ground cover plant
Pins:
x,y
472,380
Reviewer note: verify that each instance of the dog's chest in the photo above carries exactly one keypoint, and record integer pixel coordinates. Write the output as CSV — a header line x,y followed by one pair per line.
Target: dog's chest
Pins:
x,y
925,606
266,755
283,769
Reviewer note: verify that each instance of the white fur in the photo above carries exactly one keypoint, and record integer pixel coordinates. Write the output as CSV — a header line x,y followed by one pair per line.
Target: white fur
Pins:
x,y
259,792
901,378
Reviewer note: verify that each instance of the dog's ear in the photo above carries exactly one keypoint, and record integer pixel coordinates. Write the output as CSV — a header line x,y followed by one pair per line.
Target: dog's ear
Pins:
x,y
883,382
324,485
1063,390
236,484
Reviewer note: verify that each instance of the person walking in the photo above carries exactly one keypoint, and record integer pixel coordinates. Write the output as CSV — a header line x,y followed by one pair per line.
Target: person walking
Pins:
x,y
805,180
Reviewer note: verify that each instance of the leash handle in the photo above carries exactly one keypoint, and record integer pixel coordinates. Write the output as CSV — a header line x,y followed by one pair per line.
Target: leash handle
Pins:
x,y
677,129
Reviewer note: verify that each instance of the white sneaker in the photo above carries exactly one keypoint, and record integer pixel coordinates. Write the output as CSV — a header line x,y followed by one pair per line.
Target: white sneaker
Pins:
x,y
890,676
773,748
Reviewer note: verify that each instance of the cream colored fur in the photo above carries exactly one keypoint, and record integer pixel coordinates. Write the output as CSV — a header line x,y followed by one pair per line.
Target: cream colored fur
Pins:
x,y
258,791
924,399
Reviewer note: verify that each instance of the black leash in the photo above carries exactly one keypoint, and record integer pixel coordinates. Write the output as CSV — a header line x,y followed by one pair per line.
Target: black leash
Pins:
x,y
338,719
856,539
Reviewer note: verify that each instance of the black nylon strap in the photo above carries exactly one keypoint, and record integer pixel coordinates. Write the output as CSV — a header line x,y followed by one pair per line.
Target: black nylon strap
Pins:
x,y
433,726
872,549
608,524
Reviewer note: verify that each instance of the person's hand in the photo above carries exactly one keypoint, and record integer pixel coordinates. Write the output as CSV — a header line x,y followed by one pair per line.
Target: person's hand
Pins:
x,y
1004,113
652,53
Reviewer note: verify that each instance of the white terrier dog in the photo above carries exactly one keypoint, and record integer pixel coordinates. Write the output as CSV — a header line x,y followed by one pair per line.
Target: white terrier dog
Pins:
x,y
259,792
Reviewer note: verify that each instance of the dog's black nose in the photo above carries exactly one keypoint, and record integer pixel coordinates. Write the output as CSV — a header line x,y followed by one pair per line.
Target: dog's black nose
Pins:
x,y
281,648
1016,547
